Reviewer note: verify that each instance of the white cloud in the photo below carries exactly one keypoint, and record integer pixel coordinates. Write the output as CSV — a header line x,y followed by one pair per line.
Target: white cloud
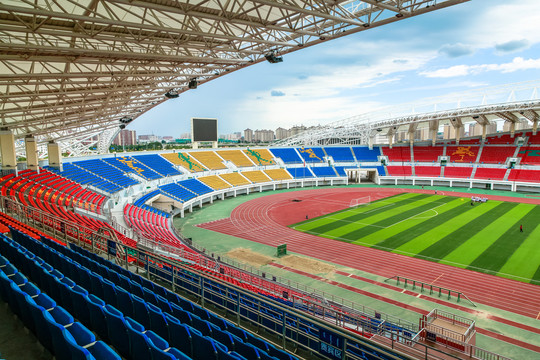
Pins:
x,y
517,64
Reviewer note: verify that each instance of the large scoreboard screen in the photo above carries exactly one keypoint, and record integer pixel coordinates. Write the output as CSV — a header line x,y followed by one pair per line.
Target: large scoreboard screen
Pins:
x,y
204,130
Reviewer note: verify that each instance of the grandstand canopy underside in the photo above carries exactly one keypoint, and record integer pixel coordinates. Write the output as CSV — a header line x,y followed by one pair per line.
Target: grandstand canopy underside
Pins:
x,y
70,70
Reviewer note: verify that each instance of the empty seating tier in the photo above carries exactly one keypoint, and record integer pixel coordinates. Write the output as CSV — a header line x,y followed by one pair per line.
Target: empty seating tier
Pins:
x,y
177,192
457,172
398,153
278,174
496,154
256,176
184,160
323,171
131,166
505,139
260,156
534,139
340,154
399,170
524,175
530,155
300,172
151,225
237,157
489,173
427,153
428,171
214,181
158,164
195,186
235,179
208,159
362,153
287,155
312,155
462,154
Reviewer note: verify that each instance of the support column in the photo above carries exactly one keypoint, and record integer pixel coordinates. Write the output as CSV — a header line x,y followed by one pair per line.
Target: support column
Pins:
x,y
390,139
535,126
370,143
7,147
512,129
55,156
32,161
484,130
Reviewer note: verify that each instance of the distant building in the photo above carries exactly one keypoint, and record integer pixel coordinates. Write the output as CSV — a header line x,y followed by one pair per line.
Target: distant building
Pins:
x,y
125,138
282,133
264,135
449,132
248,135
147,138
476,129
520,125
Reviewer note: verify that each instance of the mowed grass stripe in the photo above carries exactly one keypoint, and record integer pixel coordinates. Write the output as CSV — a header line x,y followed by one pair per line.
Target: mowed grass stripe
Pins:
x,y
525,261
404,227
350,219
324,219
477,244
405,213
470,223
429,232
495,256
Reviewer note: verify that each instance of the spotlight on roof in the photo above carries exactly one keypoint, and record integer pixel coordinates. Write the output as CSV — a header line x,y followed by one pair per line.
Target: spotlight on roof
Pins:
x,y
126,120
272,58
365,25
476,117
379,130
122,126
172,94
192,83
400,15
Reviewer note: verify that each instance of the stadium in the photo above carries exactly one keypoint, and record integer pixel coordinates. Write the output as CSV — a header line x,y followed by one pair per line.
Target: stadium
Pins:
x,y
366,238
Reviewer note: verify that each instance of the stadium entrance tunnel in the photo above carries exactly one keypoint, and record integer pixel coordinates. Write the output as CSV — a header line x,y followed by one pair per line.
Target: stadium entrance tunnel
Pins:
x,y
362,175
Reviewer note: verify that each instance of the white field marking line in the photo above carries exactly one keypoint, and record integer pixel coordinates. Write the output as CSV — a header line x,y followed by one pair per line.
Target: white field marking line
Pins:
x,y
428,217
410,217
431,283
355,222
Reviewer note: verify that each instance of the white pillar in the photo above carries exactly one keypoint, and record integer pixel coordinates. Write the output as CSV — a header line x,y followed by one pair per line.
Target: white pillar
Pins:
x,y
7,147
32,162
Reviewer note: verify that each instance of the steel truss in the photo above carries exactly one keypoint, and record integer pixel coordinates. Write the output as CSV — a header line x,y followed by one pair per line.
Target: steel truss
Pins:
x,y
70,69
511,103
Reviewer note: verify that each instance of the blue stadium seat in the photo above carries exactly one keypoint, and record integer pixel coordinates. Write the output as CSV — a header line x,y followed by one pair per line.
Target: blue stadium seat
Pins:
x,y
340,153
140,311
160,349
117,330
179,335
287,155
98,321
124,301
138,342
158,322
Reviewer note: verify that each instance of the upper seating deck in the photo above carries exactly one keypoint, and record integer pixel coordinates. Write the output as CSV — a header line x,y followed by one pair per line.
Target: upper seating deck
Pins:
x,y
462,154
177,192
130,165
184,160
158,164
496,154
312,154
256,176
278,174
533,139
214,181
530,155
504,139
237,157
260,156
287,155
235,179
208,159
340,153
397,153
363,153
427,153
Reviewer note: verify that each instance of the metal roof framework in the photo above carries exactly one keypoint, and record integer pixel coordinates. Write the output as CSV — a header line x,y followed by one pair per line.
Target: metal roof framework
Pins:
x,y
70,69
510,103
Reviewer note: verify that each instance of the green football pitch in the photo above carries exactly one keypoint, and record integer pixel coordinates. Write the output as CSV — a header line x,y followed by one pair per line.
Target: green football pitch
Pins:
x,y
484,237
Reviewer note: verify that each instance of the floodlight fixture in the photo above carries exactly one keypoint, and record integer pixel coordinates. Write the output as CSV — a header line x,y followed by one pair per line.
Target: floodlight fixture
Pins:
x,y
126,120
192,83
172,94
272,57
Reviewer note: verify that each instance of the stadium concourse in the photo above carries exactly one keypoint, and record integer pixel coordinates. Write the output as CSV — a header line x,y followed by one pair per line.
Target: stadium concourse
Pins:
x,y
96,236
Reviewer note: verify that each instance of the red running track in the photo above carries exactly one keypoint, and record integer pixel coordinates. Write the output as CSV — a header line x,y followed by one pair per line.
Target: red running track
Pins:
x,y
264,220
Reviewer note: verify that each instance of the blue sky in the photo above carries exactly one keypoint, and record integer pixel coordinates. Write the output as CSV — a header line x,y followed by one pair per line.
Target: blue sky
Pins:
x,y
477,44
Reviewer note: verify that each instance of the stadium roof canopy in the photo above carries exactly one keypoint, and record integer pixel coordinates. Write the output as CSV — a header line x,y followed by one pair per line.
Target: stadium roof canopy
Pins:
x,y
71,69
511,103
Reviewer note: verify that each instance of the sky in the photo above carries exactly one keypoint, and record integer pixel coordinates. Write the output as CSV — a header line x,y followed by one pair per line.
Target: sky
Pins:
x,y
477,44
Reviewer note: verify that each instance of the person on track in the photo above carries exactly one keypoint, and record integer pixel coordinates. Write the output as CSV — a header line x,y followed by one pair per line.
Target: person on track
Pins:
x,y
521,228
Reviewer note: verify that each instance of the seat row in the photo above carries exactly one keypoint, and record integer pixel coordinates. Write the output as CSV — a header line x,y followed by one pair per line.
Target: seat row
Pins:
x,y
154,308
